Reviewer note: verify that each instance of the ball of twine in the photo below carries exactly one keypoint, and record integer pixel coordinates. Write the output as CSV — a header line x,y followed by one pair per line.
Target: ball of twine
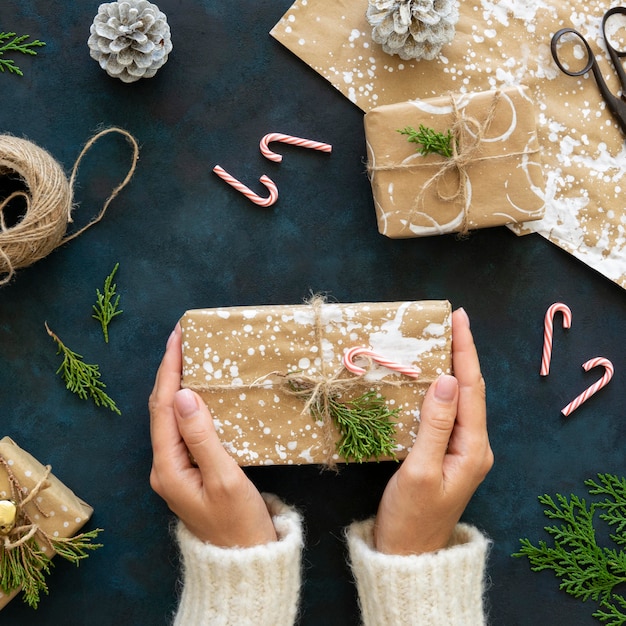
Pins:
x,y
48,196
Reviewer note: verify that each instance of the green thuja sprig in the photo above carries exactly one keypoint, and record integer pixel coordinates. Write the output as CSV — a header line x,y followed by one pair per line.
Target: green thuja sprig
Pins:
x,y
25,566
17,44
588,571
366,427
82,378
431,140
107,302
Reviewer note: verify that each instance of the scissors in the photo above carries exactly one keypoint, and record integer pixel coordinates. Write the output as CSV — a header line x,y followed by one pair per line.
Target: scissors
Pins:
x,y
617,105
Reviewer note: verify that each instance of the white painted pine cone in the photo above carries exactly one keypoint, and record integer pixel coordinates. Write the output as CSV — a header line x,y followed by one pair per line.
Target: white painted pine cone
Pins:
x,y
130,39
413,29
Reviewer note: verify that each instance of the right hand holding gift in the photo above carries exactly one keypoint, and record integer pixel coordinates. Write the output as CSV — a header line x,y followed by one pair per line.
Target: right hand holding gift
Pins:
x,y
426,497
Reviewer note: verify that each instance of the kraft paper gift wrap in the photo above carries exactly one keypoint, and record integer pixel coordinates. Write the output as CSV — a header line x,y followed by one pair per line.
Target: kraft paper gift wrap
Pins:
x,y
236,358
496,178
56,510
498,44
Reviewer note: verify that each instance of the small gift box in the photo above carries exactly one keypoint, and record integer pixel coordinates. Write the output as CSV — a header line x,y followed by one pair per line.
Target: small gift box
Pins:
x,y
37,511
275,379
493,176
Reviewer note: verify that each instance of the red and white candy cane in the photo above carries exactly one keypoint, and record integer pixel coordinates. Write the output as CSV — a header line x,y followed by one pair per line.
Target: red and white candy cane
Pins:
x,y
548,325
246,191
348,361
585,395
294,141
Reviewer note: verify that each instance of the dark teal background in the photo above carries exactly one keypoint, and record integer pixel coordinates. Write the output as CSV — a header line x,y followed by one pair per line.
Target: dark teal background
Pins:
x,y
184,239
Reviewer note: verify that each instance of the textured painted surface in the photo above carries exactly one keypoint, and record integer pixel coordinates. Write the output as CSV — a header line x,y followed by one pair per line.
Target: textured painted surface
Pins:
x,y
184,239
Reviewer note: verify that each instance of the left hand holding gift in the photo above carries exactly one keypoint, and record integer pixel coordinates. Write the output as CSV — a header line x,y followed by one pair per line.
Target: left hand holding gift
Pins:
x,y
215,499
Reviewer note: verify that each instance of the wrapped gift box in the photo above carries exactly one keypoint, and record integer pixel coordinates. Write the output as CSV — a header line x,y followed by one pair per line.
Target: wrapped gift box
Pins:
x,y
237,359
496,180
56,509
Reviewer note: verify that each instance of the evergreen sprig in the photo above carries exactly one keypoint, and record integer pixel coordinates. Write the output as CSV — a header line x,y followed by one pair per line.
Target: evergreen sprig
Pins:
x,y
82,378
17,44
107,302
366,427
588,571
431,140
25,566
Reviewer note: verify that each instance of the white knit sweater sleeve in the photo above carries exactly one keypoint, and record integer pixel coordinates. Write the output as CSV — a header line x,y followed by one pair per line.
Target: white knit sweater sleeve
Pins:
x,y
443,588
256,586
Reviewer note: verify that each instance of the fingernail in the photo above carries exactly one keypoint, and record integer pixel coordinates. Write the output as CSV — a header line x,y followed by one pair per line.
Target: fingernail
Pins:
x,y
186,402
464,315
445,388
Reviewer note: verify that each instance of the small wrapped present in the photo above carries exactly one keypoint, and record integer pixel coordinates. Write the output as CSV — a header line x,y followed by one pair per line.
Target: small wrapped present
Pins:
x,y
493,176
275,379
37,513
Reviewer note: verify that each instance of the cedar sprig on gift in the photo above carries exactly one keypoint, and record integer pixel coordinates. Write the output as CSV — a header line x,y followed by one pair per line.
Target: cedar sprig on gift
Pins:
x,y
82,378
105,308
431,140
17,44
588,571
25,565
366,427
365,424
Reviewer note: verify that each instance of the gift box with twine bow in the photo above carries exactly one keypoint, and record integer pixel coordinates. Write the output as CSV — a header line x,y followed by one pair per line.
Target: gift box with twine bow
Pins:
x,y
492,177
37,512
275,380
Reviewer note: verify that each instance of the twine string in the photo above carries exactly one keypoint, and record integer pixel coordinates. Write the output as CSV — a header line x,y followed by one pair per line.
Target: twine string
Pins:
x,y
26,529
48,198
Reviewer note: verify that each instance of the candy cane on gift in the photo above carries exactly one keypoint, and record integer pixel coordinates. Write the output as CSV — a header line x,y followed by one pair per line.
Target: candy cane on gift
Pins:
x,y
548,325
348,362
294,141
585,395
246,191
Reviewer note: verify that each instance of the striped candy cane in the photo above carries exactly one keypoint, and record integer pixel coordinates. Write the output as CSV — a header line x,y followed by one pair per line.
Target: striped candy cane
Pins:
x,y
246,191
294,141
585,395
547,333
348,361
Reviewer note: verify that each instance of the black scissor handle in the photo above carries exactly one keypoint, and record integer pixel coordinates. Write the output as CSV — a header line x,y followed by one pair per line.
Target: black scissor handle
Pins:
x,y
614,11
591,61
615,53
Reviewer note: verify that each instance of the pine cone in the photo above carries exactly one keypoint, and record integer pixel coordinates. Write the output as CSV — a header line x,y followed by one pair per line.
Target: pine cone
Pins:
x,y
413,29
130,39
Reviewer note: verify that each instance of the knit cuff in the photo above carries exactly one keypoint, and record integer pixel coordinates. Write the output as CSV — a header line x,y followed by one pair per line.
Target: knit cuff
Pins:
x,y
255,586
443,588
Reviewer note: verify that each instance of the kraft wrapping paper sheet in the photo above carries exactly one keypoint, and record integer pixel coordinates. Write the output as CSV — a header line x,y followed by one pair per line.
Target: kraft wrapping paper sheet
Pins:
x,y
498,44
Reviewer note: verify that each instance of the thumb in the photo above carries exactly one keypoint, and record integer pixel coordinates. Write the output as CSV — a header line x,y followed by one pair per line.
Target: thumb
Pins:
x,y
195,425
438,415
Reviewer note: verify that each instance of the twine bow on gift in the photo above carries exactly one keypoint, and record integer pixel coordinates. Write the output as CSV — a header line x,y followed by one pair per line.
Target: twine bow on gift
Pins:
x,y
21,528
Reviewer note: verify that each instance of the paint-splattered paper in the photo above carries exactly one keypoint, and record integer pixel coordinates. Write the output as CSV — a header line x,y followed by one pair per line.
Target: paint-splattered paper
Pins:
x,y
419,195
497,44
237,359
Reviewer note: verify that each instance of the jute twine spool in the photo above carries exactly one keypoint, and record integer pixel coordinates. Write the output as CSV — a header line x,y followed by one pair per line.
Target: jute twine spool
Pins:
x,y
48,196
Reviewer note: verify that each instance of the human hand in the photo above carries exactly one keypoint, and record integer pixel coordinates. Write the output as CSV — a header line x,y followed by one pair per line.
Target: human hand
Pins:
x,y
215,499
426,497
